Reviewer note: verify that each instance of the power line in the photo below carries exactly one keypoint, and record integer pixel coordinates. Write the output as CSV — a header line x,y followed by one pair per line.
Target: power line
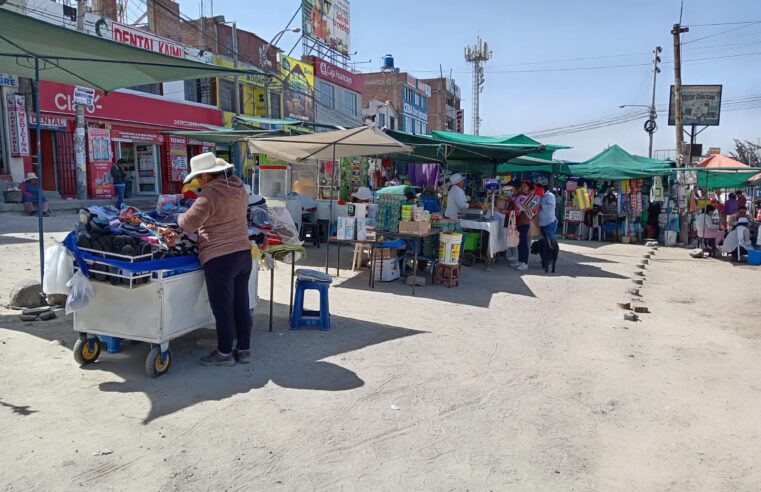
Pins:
x,y
722,32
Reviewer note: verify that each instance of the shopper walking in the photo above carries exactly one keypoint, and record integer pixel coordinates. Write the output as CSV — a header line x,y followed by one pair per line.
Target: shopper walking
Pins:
x,y
219,216
118,176
548,221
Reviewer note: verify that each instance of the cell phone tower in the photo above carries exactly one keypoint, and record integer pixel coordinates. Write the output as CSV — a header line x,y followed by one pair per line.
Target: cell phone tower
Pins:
x,y
477,55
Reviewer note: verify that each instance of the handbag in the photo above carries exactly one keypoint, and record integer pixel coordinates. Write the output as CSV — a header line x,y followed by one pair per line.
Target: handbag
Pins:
x,y
513,236
534,231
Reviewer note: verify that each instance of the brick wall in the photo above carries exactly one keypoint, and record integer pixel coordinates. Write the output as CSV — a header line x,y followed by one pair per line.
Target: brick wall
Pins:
x,y
384,86
164,18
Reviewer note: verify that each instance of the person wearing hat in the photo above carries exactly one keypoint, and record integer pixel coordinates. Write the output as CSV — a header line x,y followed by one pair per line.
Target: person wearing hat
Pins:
x,y
30,195
457,202
737,243
362,195
219,216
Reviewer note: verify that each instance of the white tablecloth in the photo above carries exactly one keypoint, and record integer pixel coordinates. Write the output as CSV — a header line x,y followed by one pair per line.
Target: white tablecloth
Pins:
x,y
496,230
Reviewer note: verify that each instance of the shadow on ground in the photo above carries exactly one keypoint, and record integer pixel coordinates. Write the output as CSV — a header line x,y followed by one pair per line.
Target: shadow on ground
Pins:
x,y
290,359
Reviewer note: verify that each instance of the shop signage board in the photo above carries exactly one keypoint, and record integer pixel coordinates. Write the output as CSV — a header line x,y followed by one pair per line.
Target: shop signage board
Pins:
x,y
100,159
337,75
130,107
178,158
701,105
55,123
125,34
327,22
135,135
415,111
298,87
8,80
19,129
459,121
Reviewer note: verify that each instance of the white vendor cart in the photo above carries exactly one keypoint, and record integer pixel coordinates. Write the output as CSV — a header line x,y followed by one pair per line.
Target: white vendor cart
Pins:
x,y
153,307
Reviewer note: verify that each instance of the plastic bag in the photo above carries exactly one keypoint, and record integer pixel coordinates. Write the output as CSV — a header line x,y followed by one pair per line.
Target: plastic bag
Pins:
x,y
59,269
283,225
80,293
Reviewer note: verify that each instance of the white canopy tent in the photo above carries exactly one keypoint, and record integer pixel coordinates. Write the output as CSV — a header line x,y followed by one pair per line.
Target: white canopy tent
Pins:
x,y
361,141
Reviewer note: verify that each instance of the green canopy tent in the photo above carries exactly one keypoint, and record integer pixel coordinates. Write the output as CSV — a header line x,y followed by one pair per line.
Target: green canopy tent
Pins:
x,y
518,139
615,163
528,164
713,178
460,154
42,51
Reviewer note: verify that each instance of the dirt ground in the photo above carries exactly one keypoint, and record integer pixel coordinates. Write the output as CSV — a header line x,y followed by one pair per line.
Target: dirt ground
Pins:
x,y
512,381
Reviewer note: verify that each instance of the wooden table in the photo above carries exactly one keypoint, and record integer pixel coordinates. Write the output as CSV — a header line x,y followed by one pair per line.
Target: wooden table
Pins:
x,y
398,235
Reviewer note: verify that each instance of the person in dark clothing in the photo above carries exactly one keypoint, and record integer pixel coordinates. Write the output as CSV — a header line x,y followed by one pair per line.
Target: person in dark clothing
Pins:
x,y
118,176
523,224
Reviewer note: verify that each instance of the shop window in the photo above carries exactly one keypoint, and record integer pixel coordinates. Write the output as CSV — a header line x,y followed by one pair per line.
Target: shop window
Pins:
x,y
381,120
149,89
226,95
392,123
275,110
199,90
350,103
326,94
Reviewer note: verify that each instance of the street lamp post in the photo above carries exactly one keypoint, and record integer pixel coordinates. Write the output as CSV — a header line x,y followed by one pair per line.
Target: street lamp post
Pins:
x,y
650,126
265,63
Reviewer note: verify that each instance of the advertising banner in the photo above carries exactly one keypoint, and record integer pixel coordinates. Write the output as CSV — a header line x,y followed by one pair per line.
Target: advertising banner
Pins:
x,y
19,128
122,33
337,75
99,157
327,21
178,158
298,87
701,105
459,124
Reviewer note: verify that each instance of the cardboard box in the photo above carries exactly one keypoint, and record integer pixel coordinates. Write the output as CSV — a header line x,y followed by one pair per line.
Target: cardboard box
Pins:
x,y
386,253
361,229
390,270
410,227
346,228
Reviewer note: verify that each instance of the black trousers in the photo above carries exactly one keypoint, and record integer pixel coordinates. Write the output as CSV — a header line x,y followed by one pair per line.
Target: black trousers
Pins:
x,y
227,285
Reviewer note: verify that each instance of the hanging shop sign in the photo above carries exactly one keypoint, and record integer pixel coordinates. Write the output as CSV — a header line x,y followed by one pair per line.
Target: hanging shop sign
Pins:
x,y
8,80
337,75
701,105
99,157
327,21
84,96
459,121
19,129
129,107
178,158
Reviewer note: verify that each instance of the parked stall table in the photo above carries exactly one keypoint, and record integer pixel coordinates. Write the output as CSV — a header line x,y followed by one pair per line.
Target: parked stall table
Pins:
x,y
496,230
367,242
398,235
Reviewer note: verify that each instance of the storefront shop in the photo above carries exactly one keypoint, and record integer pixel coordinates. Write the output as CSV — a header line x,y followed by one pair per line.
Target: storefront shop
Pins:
x,y
135,125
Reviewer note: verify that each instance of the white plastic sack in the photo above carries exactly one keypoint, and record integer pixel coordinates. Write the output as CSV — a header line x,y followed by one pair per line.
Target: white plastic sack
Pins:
x,y
80,293
59,269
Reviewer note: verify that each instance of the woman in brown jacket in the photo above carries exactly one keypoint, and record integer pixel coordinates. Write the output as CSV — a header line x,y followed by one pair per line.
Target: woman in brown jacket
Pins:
x,y
219,216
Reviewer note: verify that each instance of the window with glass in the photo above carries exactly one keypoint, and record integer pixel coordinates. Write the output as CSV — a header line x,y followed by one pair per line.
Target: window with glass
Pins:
x,y
392,123
226,95
350,103
198,90
326,94
148,88
381,120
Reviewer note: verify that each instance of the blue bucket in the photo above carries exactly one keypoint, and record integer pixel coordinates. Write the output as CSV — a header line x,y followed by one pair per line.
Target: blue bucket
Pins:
x,y
754,257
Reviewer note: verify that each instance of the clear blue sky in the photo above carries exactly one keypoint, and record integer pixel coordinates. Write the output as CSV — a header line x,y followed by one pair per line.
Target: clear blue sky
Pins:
x,y
551,34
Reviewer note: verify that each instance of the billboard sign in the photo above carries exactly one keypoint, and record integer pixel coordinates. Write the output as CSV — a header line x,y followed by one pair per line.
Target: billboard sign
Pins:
x,y
298,87
337,75
327,21
701,105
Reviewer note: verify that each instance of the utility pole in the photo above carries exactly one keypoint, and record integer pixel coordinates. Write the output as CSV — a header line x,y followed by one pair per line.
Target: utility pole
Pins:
x,y
477,54
676,31
79,133
235,64
650,126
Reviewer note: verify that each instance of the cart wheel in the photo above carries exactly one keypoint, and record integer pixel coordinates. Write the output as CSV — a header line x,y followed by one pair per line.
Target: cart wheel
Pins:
x,y
86,351
155,364
468,259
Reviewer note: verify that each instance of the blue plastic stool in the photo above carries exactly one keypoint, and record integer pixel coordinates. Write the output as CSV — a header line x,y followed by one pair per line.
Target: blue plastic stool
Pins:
x,y
314,280
754,257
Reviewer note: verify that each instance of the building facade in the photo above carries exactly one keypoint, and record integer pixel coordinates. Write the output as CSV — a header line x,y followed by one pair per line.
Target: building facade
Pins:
x,y
337,94
444,108
404,92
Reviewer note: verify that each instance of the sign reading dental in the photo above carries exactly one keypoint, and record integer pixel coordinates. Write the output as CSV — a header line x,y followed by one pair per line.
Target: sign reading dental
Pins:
x,y
147,41
327,21
337,75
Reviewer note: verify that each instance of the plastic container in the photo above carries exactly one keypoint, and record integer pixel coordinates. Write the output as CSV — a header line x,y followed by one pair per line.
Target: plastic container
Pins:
x,y
754,257
670,237
389,270
449,248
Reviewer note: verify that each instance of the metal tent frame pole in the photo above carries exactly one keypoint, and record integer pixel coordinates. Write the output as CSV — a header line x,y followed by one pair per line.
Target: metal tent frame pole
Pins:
x,y
36,93
330,211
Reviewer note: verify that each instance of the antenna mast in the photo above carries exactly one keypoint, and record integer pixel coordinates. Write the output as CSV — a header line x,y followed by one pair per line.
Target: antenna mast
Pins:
x,y
477,54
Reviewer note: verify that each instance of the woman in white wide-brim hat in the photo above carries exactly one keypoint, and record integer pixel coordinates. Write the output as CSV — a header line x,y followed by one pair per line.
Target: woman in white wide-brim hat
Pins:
x,y
362,195
30,195
219,216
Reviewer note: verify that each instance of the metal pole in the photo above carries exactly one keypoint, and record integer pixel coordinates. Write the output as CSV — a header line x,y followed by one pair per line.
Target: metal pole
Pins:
x,y
676,32
36,92
330,210
79,133
653,112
